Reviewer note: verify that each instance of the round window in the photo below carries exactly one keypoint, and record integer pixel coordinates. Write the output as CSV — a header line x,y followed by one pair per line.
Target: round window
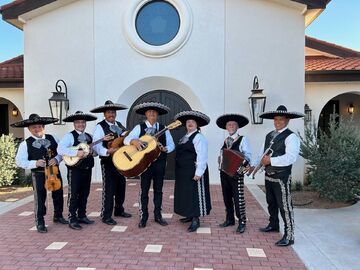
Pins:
x,y
157,22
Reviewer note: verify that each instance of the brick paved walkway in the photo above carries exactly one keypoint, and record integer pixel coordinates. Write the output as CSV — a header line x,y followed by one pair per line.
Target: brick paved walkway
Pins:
x,y
98,247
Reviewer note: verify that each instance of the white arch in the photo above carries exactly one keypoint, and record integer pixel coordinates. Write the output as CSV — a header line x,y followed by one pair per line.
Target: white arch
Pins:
x,y
145,85
318,94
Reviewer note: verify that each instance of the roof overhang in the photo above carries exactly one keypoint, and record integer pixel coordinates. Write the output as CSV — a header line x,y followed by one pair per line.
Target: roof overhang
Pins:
x,y
332,76
19,11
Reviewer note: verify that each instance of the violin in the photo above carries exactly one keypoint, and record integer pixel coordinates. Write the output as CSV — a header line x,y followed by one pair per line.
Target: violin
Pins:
x,y
52,180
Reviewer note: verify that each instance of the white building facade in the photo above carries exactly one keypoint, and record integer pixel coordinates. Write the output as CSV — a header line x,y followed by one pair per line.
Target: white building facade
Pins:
x,y
209,65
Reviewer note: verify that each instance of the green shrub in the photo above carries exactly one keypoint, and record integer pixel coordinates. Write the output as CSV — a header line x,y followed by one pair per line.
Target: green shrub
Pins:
x,y
7,160
297,186
333,159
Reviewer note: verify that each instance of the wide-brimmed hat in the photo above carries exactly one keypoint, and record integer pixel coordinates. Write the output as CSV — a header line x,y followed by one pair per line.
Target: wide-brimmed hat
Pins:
x,y
109,106
79,115
34,119
238,118
281,111
145,106
200,118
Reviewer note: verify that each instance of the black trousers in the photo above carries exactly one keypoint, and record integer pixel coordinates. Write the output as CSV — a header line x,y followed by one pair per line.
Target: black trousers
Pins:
x,y
278,198
38,182
114,185
233,195
155,172
79,190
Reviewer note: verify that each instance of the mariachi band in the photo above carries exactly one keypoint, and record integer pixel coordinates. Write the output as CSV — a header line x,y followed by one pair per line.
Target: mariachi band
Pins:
x,y
142,152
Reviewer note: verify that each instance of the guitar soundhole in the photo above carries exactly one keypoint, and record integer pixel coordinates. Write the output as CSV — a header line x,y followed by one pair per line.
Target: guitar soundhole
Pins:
x,y
127,156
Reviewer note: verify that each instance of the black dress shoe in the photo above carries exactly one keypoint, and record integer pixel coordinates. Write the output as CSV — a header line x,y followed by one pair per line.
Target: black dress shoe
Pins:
x,y
185,219
75,225
109,221
85,220
284,242
195,224
142,223
41,228
123,214
269,228
241,228
227,223
60,220
161,221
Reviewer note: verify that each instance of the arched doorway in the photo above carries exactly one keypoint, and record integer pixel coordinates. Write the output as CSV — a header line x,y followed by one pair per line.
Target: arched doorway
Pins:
x,y
176,104
10,113
340,105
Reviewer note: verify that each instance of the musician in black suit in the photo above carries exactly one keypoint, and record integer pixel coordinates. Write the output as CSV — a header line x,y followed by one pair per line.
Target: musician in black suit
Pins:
x,y
31,155
114,184
286,147
156,170
233,187
79,175
192,191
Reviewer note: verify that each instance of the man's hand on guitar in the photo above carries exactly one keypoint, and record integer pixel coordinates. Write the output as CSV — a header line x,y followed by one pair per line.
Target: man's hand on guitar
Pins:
x,y
53,162
81,154
109,137
162,148
110,151
40,163
138,144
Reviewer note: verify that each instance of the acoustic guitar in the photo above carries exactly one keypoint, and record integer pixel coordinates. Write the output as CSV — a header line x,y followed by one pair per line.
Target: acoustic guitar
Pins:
x,y
132,162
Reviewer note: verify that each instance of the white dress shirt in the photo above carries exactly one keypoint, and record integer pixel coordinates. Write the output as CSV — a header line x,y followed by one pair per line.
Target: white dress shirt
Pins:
x,y
201,149
292,150
244,146
22,157
65,145
98,134
135,134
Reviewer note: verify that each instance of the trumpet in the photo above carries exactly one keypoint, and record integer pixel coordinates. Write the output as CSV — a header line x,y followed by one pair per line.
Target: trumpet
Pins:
x,y
260,167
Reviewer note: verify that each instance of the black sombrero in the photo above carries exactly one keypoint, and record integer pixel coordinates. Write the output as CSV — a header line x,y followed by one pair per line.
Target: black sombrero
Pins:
x,y
238,118
109,106
79,115
281,111
200,118
143,107
35,119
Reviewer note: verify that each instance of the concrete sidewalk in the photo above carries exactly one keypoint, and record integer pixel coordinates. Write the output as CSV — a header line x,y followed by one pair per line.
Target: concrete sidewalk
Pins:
x,y
325,239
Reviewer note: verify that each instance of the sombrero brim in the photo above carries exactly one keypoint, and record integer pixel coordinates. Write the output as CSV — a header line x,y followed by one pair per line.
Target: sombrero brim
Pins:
x,y
272,114
36,121
109,107
238,118
82,116
200,118
143,107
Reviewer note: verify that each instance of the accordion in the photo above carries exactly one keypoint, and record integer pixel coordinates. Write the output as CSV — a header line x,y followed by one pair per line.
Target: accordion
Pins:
x,y
232,162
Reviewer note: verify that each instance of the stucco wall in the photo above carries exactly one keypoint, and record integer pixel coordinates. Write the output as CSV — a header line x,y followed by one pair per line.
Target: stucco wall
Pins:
x,y
231,41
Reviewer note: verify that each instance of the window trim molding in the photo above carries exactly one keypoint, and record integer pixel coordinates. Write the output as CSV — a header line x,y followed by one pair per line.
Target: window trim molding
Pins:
x,y
186,24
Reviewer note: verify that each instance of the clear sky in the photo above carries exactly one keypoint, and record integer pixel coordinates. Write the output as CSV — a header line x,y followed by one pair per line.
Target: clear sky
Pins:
x,y
339,23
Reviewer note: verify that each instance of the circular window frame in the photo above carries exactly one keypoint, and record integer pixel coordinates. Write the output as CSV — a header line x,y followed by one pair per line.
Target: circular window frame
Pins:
x,y
186,22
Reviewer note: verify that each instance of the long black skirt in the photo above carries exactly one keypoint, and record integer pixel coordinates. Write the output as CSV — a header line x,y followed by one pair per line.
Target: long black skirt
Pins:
x,y
191,198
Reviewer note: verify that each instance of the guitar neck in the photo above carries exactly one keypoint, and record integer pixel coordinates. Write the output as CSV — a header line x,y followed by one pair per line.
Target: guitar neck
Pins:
x,y
161,132
96,142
